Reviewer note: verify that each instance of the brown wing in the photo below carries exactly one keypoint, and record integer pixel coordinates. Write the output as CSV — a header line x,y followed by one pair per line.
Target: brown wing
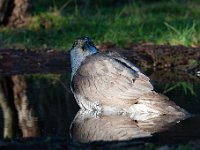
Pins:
x,y
104,79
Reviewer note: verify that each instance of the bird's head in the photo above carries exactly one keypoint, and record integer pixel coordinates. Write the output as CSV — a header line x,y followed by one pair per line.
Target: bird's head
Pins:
x,y
84,45
81,48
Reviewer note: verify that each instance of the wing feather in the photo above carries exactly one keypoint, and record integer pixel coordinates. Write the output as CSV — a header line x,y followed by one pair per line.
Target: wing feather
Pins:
x,y
102,78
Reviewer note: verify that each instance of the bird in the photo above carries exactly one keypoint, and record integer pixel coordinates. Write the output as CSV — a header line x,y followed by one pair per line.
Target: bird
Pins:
x,y
107,82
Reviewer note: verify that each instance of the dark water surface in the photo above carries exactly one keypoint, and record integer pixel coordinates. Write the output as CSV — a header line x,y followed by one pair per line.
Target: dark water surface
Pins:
x,y
51,108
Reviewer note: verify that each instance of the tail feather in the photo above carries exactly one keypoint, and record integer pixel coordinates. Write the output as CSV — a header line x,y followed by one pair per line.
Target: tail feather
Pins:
x,y
161,104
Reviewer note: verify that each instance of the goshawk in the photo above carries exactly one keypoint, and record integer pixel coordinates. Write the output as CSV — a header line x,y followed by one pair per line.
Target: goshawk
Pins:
x,y
109,83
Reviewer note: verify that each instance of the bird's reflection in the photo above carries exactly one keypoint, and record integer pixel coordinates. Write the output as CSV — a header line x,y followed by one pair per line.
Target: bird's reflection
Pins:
x,y
88,126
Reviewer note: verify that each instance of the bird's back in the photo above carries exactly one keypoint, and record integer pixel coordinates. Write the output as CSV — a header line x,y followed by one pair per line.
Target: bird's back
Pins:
x,y
113,84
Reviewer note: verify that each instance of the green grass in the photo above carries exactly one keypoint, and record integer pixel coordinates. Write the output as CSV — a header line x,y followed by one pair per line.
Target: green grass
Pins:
x,y
56,25
187,88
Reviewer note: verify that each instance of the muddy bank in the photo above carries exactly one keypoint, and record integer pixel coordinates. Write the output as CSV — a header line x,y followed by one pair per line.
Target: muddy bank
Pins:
x,y
159,56
14,61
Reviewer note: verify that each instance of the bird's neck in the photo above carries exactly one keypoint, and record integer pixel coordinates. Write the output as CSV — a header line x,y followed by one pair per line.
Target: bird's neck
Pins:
x,y
75,64
77,57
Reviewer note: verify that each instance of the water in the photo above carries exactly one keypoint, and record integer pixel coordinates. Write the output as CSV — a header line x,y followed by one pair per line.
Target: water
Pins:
x,y
49,109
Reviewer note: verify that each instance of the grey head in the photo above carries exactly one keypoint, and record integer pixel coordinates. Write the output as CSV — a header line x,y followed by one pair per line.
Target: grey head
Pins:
x,y
81,48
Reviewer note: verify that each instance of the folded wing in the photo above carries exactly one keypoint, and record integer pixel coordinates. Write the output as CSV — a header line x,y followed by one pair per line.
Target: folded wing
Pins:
x,y
105,79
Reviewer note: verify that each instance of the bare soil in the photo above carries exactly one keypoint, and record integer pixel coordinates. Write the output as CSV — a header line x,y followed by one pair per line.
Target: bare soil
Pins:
x,y
148,57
